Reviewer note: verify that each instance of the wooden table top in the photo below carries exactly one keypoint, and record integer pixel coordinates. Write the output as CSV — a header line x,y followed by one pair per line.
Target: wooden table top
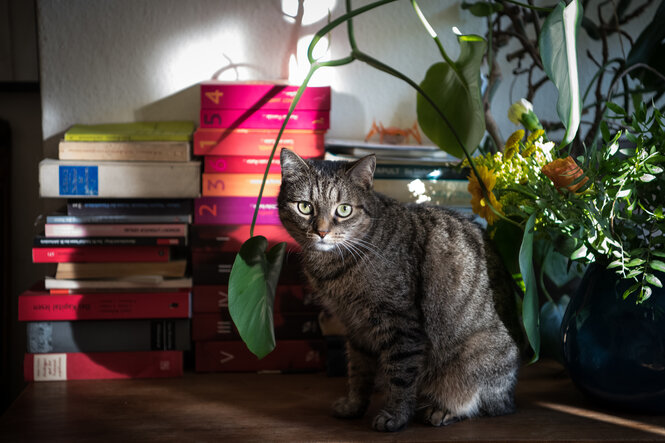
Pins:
x,y
293,407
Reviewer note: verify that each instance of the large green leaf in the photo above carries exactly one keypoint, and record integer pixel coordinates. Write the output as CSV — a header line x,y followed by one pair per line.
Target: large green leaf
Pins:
x,y
551,316
252,285
530,311
649,49
558,51
456,92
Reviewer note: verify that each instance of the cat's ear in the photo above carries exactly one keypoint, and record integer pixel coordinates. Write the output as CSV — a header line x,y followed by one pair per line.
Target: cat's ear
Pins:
x,y
362,171
291,163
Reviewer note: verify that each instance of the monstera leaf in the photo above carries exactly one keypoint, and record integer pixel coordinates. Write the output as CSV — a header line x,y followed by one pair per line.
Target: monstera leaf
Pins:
x,y
558,51
252,286
455,89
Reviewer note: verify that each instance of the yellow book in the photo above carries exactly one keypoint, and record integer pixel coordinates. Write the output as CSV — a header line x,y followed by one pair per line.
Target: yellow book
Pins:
x,y
134,131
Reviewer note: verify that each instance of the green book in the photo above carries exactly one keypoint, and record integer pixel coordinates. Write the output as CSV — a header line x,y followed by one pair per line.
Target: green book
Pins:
x,y
135,131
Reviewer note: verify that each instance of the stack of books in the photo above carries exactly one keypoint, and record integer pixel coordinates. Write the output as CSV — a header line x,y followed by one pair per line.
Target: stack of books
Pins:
x,y
238,127
118,304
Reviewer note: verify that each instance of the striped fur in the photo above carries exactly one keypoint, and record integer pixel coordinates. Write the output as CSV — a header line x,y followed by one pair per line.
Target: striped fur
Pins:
x,y
415,287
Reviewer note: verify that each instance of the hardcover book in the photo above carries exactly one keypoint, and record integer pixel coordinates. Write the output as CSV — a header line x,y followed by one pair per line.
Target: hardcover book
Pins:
x,y
237,164
229,238
233,356
288,299
291,326
89,254
164,151
115,229
36,305
41,240
119,218
105,270
214,268
263,95
103,179
235,211
239,185
317,120
125,283
257,142
128,207
102,365
108,335
134,131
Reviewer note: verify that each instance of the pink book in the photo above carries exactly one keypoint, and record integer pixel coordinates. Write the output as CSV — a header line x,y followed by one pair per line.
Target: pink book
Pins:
x,y
264,119
115,230
235,211
229,238
102,365
224,95
257,142
240,164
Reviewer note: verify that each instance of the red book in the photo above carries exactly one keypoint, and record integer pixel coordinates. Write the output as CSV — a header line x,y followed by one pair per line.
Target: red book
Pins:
x,y
219,326
102,365
240,164
220,95
239,185
235,211
233,356
317,120
115,229
257,142
43,306
86,254
229,238
288,298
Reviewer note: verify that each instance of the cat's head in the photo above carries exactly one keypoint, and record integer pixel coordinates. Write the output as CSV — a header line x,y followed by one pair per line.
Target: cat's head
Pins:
x,y
325,204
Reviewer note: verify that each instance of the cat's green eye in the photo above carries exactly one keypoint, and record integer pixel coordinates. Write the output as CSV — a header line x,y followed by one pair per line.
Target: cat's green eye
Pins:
x,y
344,210
305,208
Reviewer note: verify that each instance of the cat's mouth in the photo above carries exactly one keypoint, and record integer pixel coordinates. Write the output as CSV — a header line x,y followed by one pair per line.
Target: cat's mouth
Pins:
x,y
323,244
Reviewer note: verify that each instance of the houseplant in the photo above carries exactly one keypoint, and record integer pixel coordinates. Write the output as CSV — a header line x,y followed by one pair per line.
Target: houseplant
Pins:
x,y
606,209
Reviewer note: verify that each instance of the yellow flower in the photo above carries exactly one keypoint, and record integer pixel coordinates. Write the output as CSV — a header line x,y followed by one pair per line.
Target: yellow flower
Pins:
x,y
512,146
479,204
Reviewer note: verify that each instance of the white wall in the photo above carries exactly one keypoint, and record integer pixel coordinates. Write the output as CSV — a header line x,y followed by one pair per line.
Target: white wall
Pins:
x,y
123,60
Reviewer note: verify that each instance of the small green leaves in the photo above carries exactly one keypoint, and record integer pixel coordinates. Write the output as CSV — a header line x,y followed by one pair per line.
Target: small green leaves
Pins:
x,y
252,286
657,265
482,9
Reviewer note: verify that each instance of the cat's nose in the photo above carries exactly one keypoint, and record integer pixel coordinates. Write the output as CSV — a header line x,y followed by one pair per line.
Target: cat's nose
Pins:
x,y
322,233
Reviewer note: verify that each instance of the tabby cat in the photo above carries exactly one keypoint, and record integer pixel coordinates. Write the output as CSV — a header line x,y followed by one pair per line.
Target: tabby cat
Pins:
x,y
417,289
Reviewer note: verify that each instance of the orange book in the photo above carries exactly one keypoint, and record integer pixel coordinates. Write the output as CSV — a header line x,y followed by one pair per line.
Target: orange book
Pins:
x,y
257,142
239,185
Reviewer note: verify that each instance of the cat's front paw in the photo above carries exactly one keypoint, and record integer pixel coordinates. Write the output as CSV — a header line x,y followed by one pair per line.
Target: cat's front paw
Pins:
x,y
345,407
440,417
387,422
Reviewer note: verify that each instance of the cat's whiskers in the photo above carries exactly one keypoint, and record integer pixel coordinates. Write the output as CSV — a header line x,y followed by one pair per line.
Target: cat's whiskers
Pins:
x,y
370,247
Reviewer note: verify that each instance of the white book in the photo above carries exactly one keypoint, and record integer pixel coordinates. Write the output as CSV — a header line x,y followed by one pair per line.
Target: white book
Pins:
x,y
169,151
119,179
145,282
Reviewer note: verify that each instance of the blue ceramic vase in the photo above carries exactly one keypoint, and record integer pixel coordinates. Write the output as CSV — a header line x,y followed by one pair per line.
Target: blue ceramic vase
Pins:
x,y
614,349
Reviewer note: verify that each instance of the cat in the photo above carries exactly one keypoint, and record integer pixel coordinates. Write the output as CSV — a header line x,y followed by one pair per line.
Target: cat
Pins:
x,y
417,289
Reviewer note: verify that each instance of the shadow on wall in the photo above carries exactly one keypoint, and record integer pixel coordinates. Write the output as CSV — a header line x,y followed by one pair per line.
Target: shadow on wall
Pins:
x,y
184,104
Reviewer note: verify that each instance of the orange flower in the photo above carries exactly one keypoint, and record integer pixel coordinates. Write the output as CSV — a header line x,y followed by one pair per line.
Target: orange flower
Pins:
x,y
563,172
478,202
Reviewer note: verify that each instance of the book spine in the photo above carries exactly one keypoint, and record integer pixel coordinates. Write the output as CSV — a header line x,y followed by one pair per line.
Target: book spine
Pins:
x,y
105,270
148,283
235,211
239,185
233,356
135,131
102,306
124,151
119,207
108,241
257,142
100,254
102,365
240,164
214,268
113,179
230,237
108,336
318,120
179,218
115,230
264,96
219,326
292,299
